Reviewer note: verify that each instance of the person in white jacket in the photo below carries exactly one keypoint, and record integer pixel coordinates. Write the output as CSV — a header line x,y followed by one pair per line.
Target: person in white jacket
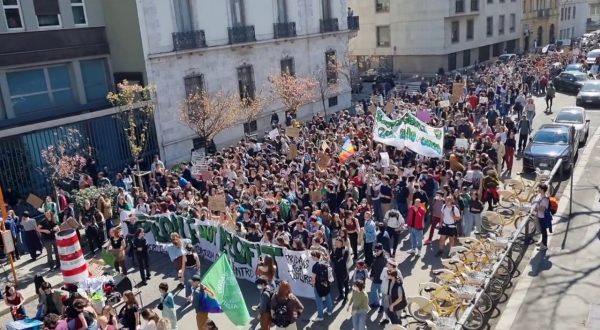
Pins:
x,y
394,224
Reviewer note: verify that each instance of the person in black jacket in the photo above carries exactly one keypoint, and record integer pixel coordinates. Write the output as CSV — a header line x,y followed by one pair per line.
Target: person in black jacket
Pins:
x,y
140,247
379,263
340,256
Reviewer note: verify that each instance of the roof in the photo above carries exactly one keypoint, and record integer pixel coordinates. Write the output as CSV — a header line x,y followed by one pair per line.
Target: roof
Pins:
x,y
555,127
572,109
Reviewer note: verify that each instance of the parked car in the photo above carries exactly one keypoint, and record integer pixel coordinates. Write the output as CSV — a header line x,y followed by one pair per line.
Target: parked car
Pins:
x,y
549,49
589,94
576,117
507,57
577,67
547,145
570,81
591,56
380,74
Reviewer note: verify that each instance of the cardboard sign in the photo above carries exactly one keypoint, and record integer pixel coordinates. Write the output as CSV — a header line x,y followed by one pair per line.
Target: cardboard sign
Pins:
x,y
372,109
96,267
483,100
34,201
324,145
462,143
293,152
385,159
292,132
217,203
444,104
70,223
389,107
458,90
8,242
322,160
315,196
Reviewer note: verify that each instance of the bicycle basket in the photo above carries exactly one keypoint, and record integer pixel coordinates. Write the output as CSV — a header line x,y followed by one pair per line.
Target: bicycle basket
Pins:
x,y
466,292
445,323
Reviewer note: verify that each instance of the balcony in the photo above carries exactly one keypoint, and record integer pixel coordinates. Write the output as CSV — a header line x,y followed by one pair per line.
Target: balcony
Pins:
x,y
547,12
189,40
540,13
329,25
284,30
241,34
353,23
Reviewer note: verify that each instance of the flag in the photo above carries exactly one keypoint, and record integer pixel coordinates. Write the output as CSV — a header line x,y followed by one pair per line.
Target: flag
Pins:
x,y
347,151
221,280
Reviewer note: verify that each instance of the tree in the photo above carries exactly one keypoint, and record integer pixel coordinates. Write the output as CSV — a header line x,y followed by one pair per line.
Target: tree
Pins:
x,y
251,107
208,115
330,78
136,106
293,91
65,159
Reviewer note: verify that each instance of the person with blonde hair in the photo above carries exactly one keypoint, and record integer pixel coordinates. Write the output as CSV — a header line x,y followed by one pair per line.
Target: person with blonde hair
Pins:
x,y
164,324
151,318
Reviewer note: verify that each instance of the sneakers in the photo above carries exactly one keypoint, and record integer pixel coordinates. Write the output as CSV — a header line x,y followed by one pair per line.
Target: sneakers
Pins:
x,y
411,251
329,313
384,322
417,253
542,247
317,319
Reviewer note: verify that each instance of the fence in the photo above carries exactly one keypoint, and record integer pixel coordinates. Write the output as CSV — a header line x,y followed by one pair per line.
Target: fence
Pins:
x,y
515,251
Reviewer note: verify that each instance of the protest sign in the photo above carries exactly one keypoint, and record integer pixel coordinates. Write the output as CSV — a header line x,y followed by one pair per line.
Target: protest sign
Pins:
x,y
444,104
273,134
409,132
292,132
217,203
462,143
322,160
389,107
293,152
424,116
385,159
483,100
458,90
212,239
34,201
372,109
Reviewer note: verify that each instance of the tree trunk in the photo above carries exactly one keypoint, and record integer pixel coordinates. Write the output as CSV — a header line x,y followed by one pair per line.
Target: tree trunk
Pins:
x,y
139,177
324,107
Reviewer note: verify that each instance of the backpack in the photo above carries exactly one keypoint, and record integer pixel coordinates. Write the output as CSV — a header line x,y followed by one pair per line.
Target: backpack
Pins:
x,y
281,314
553,205
322,280
284,209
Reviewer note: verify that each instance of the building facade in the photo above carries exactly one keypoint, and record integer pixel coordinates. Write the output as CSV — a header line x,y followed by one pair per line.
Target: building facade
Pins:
x,y
573,15
594,11
233,46
55,72
423,36
540,23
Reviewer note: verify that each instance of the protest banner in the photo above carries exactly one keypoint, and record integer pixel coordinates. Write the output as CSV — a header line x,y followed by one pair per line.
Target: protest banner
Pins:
x,y
212,239
410,132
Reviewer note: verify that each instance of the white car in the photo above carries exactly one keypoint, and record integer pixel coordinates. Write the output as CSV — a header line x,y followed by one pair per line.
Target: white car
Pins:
x,y
592,55
576,117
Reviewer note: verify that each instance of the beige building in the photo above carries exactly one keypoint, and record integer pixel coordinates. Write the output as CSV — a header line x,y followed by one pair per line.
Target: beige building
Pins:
x,y
540,23
424,36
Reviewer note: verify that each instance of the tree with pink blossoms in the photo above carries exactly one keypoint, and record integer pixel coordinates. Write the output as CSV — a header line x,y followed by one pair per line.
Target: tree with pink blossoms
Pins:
x,y
293,91
64,160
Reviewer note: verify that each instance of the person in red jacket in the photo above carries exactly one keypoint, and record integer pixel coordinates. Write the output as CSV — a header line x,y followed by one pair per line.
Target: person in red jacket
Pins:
x,y
416,223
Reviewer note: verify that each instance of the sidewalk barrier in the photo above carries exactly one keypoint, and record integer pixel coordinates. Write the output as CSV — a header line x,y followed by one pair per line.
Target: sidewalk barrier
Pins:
x,y
517,243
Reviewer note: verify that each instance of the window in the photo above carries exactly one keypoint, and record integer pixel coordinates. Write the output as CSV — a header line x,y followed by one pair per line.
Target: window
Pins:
x,y
95,80
474,5
489,26
38,89
513,23
455,32
382,6
501,25
78,9
331,65
490,1
250,127
326,8
183,15
470,29
47,13
562,14
193,84
245,75
459,6
282,11
238,17
574,12
12,13
332,101
451,61
569,13
383,36
287,66
467,58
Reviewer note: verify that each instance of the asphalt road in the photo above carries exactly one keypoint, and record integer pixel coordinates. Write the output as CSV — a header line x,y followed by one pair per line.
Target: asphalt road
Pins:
x,y
415,271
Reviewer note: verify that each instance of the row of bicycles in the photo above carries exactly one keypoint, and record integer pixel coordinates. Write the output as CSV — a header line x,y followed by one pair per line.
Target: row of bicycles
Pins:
x,y
477,273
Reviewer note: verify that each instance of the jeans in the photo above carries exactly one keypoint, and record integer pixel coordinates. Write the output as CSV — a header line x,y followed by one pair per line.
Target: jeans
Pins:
x,y
50,245
416,238
375,294
394,238
188,272
477,221
368,249
319,301
359,320
530,115
393,316
377,210
468,223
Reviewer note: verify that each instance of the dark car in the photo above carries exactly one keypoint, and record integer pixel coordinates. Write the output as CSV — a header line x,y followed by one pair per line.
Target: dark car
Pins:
x,y
589,94
569,81
550,143
577,67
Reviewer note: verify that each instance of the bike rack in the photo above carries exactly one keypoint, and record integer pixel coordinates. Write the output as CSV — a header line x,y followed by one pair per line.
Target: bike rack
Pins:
x,y
523,229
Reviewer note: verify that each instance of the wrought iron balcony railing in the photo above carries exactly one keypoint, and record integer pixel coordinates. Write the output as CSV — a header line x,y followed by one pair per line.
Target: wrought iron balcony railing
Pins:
x,y
329,25
241,34
284,30
189,40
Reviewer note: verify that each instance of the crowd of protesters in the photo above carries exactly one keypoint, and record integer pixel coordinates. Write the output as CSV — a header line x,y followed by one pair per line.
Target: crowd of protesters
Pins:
x,y
294,192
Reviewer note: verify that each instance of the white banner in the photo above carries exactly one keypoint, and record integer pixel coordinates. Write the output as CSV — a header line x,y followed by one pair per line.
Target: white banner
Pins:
x,y
410,132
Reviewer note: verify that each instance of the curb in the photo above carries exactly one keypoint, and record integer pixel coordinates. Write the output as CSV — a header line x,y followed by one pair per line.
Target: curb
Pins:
x,y
517,298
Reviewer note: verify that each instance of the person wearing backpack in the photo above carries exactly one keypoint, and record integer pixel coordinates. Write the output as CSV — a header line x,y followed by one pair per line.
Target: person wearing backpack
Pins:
x,y
264,307
402,193
448,229
322,277
394,222
285,308
541,210
359,301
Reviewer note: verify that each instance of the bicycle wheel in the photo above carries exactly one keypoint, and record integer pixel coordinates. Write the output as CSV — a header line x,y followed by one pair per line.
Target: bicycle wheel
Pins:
x,y
503,275
488,225
474,321
418,313
485,303
509,264
495,289
530,227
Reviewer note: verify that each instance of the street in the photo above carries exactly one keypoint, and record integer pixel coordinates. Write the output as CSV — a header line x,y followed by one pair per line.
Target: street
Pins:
x,y
568,239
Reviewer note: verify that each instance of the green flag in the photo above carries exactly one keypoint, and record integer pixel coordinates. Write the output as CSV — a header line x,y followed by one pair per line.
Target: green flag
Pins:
x,y
221,280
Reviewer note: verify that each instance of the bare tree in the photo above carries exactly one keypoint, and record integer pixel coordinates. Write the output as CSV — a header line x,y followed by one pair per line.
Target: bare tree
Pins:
x,y
136,106
330,79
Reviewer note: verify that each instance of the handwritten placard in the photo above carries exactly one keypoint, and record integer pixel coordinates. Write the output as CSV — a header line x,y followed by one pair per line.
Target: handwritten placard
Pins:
x,y
217,203
293,152
483,100
34,201
462,143
322,160
385,159
70,223
273,134
444,104
458,90
292,132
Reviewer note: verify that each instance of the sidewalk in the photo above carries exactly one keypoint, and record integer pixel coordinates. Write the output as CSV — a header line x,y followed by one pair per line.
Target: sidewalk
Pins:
x,y
559,288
